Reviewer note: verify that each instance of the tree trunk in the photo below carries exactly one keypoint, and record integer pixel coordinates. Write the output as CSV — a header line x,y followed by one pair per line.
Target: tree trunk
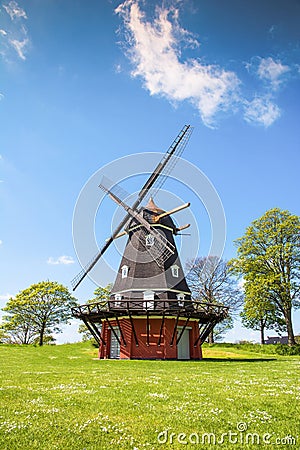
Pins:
x,y
25,337
211,337
41,339
262,332
289,327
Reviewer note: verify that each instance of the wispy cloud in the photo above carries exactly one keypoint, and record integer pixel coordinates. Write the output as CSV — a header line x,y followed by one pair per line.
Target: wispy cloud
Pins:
x,y
272,74
5,297
20,47
14,10
272,71
155,47
261,111
15,36
154,51
65,260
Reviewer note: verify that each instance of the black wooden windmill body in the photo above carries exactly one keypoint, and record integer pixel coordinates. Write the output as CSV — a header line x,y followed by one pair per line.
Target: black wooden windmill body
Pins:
x,y
150,313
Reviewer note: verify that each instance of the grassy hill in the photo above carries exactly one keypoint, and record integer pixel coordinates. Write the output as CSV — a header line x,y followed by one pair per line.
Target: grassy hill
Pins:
x,y
63,397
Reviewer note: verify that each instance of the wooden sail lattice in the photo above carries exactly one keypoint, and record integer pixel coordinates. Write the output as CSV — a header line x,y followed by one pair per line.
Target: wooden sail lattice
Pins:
x,y
180,146
161,249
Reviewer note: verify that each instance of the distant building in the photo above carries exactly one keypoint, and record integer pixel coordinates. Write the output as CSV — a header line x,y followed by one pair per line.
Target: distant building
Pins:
x,y
277,340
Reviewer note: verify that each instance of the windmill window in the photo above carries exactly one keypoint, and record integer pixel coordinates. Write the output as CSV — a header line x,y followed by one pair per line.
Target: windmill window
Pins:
x,y
149,300
149,240
124,270
118,298
180,298
175,271
149,295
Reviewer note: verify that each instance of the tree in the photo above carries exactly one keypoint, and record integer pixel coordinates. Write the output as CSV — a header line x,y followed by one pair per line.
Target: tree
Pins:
x,y
217,334
268,256
38,311
3,336
101,294
211,281
15,331
259,313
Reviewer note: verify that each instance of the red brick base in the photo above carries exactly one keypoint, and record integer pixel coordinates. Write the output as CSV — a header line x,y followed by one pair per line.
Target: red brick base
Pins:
x,y
149,348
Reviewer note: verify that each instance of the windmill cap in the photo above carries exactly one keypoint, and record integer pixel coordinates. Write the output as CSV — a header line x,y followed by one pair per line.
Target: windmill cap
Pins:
x,y
151,206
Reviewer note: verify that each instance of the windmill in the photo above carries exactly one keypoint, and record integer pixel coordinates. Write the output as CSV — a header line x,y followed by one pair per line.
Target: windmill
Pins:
x,y
150,313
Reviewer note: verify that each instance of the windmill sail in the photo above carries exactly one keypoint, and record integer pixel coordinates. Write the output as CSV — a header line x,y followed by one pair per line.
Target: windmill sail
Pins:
x,y
152,185
161,249
171,157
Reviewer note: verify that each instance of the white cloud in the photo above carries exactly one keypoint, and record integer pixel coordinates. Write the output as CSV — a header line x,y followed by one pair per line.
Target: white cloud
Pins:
x,y
272,30
118,68
272,71
14,10
5,297
15,36
61,260
1,242
20,47
153,49
261,111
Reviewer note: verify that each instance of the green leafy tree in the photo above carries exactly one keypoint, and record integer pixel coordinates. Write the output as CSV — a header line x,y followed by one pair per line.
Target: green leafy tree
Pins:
x,y
101,295
268,257
259,313
48,340
37,311
3,335
211,281
15,331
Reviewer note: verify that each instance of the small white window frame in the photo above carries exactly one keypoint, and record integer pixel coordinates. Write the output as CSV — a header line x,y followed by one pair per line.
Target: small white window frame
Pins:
x,y
148,295
149,299
150,240
118,298
124,271
175,271
180,298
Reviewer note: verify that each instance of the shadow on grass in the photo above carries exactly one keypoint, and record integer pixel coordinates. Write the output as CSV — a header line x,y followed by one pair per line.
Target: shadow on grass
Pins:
x,y
237,359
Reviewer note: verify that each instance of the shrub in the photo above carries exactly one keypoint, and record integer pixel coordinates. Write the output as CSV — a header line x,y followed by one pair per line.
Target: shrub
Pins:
x,y
283,349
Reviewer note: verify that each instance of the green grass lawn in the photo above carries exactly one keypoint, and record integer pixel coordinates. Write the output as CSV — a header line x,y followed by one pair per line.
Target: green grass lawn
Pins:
x,y
62,397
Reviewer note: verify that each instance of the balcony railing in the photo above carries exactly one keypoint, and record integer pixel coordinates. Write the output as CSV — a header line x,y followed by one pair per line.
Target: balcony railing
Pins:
x,y
149,307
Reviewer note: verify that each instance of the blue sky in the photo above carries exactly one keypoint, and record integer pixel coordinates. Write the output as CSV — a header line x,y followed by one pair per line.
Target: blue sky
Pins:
x,y
85,83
